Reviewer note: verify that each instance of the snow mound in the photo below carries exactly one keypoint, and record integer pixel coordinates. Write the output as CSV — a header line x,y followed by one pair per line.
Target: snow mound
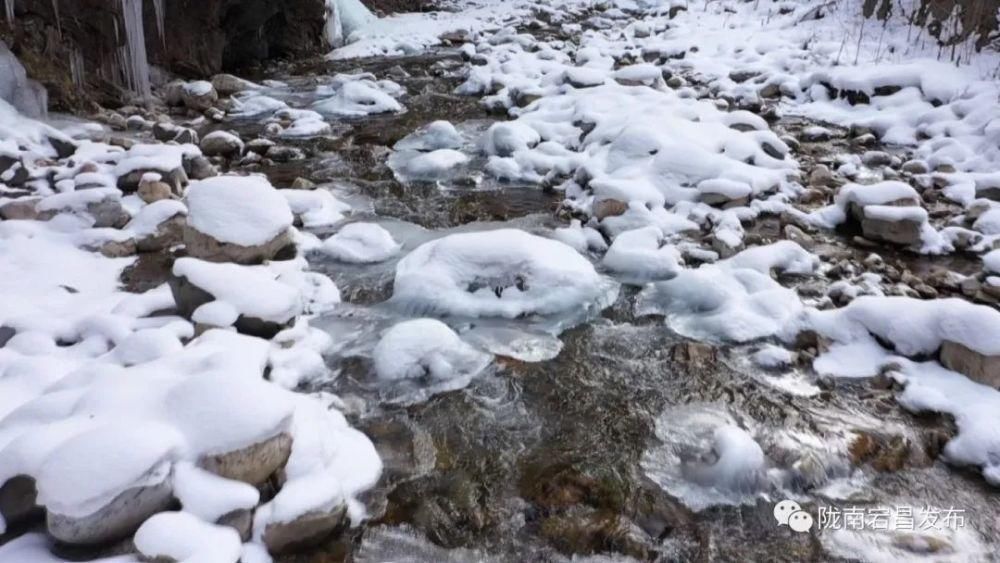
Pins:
x,y
242,210
502,273
433,136
357,98
361,243
183,537
426,348
733,300
639,256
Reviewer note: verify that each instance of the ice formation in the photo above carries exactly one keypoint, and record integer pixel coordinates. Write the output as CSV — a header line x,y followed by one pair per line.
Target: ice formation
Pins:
x,y
502,273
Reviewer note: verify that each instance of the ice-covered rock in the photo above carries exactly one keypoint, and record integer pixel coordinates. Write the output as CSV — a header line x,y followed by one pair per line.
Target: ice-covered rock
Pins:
x,y
707,458
502,273
361,243
426,349
735,299
356,98
240,219
433,136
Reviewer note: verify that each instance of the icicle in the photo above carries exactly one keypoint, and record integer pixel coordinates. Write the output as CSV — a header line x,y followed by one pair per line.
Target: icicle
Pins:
x,y
158,11
76,67
9,7
55,8
135,65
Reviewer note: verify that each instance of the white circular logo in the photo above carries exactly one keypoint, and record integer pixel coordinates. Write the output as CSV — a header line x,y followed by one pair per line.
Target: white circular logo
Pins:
x,y
800,521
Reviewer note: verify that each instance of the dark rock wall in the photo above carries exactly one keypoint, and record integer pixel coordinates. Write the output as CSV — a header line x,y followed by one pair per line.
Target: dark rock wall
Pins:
x,y
201,38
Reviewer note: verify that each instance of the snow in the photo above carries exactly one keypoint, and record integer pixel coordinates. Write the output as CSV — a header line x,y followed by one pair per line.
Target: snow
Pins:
x,y
361,243
153,215
183,537
638,255
989,222
253,291
209,496
242,210
426,348
734,299
315,208
991,261
913,326
434,136
432,165
357,98
772,356
501,273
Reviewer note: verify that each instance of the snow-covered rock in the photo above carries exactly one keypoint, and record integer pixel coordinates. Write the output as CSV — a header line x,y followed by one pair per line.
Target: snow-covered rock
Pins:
x,y
502,273
240,219
426,348
361,243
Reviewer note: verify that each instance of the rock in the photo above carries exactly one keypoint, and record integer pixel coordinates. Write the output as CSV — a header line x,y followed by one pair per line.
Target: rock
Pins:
x,y
18,501
13,172
796,234
697,355
221,143
301,183
240,520
252,464
974,365
740,76
915,167
279,153
874,159
176,179
822,176
200,245
19,209
167,234
118,248
904,232
305,531
199,95
106,212
154,191
260,145
609,208
166,132
136,123
116,520
227,84
199,168
770,91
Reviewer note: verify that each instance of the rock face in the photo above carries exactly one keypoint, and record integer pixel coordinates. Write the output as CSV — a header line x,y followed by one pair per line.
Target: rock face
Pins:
x,y
978,367
199,38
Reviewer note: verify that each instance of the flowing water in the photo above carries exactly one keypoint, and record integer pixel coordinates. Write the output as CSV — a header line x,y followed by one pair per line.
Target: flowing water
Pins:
x,y
587,436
